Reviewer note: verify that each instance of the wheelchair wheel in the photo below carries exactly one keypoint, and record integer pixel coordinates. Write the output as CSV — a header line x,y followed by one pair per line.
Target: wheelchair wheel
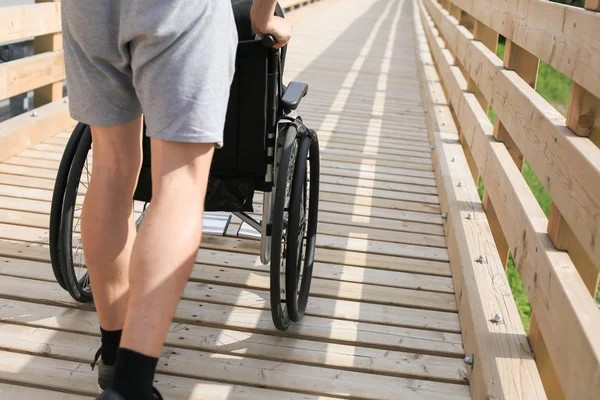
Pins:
x,y
293,226
283,179
57,200
302,226
70,257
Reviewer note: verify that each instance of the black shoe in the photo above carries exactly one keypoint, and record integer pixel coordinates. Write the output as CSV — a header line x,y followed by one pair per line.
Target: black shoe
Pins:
x,y
105,372
112,395
156,394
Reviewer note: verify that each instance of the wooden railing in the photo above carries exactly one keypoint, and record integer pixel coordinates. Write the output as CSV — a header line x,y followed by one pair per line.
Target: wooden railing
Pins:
x,y
558,258
43,73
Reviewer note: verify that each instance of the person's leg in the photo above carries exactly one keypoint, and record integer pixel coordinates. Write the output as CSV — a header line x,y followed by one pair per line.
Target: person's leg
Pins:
x,y
102,95
108,230
107,219
167,242
162,258
183,60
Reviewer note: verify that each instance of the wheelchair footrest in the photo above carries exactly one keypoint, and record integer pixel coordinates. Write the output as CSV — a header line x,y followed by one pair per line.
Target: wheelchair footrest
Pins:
x,y
247,231
216,223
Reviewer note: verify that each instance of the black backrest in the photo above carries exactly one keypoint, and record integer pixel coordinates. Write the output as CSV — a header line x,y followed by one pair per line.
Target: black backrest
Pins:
x,y
244,151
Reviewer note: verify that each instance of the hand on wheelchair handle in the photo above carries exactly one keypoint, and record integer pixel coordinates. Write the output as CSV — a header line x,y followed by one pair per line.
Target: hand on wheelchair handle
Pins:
x,y
276,27
268,41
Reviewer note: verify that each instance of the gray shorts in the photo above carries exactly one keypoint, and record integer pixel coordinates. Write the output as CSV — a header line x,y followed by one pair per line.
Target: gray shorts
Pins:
x,y
172,60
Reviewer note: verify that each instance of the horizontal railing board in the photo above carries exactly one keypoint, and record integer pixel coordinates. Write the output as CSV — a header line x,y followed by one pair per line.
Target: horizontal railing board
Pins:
x,y
564,37
22,132
24,74
23,22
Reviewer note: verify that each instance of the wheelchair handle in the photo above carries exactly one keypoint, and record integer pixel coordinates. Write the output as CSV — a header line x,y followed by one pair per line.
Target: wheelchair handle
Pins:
x,y
269,41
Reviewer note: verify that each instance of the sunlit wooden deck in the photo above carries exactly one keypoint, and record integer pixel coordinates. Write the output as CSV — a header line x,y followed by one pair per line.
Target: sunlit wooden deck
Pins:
x,y
399,93
382,322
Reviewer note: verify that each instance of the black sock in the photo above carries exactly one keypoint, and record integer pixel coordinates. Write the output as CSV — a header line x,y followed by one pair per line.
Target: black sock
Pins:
x,y
110,345
134,375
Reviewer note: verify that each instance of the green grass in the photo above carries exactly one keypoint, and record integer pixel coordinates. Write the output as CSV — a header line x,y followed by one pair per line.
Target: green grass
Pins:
x,y
556,89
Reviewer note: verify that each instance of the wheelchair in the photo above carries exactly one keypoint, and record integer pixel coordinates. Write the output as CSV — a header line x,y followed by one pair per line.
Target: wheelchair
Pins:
x,y
267,148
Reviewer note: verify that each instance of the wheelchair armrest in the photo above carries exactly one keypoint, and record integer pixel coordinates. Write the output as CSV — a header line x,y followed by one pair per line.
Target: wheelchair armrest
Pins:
x,y
293,95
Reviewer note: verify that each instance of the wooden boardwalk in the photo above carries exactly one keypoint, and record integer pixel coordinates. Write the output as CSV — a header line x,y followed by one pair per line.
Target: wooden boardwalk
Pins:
x,y
382,322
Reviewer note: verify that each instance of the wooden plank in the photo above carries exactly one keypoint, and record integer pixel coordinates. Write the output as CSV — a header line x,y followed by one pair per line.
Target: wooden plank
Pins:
x,y
79,379
409,193
377,187
349,244
357,158
565,164
352,258
328,170
244,370
564,37
377,156
409,133
257,319
331,202
390,143
47,169
375,177
67,345
317,306
31,162
221,269
353,241
347,290
377,169
372,206
22,75
22,132
36,206
565,313
335,223
481,289
415,292
22,22
12,391
332,271
370,149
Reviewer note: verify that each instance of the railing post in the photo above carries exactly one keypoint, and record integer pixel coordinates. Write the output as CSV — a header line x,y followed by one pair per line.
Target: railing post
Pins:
x,y
593,5
526,66
583,115
42,44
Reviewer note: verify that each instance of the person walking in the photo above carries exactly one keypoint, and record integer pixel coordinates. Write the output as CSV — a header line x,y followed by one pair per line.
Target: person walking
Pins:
x,y
172,63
